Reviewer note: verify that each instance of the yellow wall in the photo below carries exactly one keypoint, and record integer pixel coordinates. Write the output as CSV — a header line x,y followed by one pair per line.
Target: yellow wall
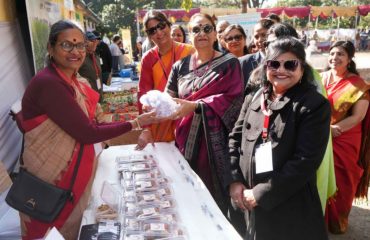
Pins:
x,y
7,10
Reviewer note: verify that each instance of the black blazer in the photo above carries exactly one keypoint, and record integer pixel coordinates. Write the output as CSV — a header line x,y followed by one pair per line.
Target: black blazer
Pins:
x,y
288,202
248,63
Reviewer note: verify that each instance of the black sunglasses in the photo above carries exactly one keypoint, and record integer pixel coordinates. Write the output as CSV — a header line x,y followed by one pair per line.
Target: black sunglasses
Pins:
x,y
153,30
206,29
236,38
290,65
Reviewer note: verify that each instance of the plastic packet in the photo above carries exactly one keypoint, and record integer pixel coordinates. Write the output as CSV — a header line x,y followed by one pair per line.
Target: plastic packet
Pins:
x,y
167,203
130,209
164,191
169,215
162,103
134,235
132,224
146,185
147,211
144,166
144,198
109,230
142,175
156,228
130,196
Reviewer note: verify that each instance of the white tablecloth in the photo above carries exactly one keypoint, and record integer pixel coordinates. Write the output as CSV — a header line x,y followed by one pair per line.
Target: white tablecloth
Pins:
x,y
197,209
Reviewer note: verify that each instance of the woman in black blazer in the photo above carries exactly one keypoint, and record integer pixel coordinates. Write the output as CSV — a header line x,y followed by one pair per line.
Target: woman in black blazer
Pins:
x,y
276,146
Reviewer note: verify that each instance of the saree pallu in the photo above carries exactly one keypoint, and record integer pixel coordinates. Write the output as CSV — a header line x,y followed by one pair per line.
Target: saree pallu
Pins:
x,y
51,154
342,96
202,137
161,68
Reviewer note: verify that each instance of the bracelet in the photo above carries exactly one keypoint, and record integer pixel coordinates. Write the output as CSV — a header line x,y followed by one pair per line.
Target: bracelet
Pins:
x,y
138,124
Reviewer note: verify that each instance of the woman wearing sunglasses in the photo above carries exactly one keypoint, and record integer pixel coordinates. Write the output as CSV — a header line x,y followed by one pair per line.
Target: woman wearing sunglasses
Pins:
x,y
276,146
155,69
250,62
235,40
58,116
349,97
208,87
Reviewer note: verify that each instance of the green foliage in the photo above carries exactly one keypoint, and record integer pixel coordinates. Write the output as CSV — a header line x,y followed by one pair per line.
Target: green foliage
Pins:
x,y
187,4
40,33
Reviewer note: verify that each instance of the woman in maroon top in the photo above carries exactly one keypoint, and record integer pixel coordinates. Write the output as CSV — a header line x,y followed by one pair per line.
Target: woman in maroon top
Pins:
x,y
58,113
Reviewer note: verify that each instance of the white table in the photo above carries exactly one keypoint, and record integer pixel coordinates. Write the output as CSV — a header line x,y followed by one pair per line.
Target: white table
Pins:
x,y
190,193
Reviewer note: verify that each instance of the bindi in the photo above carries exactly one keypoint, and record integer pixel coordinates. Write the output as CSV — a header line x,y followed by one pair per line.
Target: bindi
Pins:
x,y
74,40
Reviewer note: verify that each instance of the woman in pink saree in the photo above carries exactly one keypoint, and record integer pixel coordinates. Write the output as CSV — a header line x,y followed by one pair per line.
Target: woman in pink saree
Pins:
x,y
208,86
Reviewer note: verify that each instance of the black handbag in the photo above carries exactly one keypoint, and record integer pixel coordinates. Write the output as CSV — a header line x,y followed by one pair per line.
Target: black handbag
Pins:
x,y
36,198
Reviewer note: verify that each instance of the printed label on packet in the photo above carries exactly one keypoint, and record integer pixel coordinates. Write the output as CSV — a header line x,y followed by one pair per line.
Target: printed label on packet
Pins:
x,y
149,197
157,227
165,204
149,211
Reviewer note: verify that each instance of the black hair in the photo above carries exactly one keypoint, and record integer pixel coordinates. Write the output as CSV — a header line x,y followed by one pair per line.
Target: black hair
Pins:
x,y
60,27
275,49
274,17
182,31
240,29
205,15
116,38
156,15
350,50
283,30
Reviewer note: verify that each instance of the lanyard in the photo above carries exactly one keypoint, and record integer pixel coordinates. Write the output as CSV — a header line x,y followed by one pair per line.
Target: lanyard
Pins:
x,y
166,74
93,58
267,113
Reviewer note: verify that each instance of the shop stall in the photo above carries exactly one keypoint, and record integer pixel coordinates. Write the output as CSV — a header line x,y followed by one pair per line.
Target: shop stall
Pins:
x,y
151,194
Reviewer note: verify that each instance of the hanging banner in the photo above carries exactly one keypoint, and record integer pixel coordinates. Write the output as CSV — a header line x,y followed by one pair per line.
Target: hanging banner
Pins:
x,y
41,15
68,4
246,20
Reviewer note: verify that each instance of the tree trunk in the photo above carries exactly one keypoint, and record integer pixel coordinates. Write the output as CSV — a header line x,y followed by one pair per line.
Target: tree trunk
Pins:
x,y
244,6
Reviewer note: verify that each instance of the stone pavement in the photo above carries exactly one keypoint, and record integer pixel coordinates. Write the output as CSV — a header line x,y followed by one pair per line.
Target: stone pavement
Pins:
x,y
359,223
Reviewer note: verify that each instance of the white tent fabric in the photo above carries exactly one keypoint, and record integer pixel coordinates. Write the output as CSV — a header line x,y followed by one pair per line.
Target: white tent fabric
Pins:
x,y
14,76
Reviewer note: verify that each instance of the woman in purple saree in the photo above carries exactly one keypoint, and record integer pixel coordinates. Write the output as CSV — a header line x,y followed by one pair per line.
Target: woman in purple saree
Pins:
x,y
209,87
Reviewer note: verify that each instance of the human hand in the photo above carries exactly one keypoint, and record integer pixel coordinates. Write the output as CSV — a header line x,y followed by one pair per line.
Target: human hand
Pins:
x,y
236,193
144,138
147,118
184,109
335,130
248,199
147,108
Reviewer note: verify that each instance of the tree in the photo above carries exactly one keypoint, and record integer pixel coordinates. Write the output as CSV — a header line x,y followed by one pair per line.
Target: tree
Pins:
x,y
118,14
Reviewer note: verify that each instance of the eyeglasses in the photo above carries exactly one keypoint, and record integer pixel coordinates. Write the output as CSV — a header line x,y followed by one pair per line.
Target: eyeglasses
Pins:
x,y
236,38
206,29
153,30
289,65
68,46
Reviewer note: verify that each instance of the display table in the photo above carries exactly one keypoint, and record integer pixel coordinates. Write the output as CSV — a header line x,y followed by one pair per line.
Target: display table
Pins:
x,y
198,212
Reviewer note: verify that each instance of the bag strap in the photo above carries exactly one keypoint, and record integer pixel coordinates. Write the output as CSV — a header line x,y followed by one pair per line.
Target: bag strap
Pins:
x,y
75,171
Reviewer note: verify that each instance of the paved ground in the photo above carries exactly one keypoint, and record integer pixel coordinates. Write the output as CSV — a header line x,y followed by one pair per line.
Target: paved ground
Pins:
x,y
359,220
359,223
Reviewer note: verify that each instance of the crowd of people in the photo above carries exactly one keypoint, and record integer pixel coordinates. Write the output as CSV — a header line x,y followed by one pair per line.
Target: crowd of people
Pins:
x,y
254,121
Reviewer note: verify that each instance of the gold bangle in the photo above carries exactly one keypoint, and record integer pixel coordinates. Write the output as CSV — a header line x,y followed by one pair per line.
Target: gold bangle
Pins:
x,y
137,123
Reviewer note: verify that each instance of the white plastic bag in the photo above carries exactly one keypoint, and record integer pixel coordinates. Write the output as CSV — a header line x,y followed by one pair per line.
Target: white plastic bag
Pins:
x,y
162,103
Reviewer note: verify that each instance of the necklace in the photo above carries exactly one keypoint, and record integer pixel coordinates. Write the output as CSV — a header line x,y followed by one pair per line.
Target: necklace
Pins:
x,y
200,73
